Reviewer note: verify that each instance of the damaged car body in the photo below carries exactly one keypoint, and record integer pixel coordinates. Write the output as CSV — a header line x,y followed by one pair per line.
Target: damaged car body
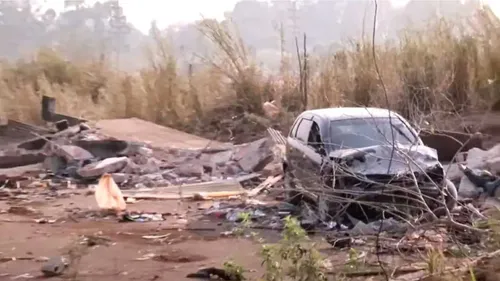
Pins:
x,y
359,154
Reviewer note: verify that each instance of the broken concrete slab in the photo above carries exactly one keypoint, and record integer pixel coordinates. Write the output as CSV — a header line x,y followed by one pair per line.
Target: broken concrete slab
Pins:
x,y
221,158
134,129
103,148
255,155
19,171
33,144
72,153
11,161
106,166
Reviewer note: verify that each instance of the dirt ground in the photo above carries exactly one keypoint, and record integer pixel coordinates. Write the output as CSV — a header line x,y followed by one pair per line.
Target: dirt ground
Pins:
x,y
182,253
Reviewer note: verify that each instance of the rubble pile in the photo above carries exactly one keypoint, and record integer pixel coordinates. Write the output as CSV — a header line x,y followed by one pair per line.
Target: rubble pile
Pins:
x,y
82,155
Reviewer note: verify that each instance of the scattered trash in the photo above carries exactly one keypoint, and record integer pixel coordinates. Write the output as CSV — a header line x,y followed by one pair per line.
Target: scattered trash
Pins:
x,y
141,217
108,195
207,273
54,267
22,211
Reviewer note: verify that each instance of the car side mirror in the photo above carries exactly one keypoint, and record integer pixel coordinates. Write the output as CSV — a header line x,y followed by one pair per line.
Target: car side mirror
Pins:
x,y
321,151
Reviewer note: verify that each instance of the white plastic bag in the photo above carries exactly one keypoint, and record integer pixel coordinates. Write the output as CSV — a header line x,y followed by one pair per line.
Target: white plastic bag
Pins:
x,y
108,195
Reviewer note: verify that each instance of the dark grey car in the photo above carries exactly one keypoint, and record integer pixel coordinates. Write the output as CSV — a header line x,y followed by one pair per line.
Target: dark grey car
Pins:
x,y
363,151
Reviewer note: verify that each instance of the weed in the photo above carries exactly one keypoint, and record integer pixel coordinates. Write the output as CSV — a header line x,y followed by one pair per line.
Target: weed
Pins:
x,y
435,261
442,68
234,270
292,258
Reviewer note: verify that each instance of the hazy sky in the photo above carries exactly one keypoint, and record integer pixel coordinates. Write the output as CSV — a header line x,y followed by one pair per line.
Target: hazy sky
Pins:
x,y
141,12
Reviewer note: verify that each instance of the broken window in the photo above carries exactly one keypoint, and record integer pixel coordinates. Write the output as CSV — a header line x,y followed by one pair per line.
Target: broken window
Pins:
x,y
303,130
314,139
365,132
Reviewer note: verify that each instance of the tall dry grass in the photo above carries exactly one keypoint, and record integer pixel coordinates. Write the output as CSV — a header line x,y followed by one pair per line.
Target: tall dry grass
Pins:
x,y
446,67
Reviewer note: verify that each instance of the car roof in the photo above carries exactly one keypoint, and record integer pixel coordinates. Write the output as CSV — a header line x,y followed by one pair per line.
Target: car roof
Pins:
x,y
342,113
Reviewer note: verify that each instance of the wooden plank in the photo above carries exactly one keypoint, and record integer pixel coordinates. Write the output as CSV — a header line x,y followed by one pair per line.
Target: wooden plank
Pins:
x,y
208,189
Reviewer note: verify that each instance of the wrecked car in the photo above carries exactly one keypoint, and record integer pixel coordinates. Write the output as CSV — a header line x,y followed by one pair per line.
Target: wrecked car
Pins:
x,y
365,154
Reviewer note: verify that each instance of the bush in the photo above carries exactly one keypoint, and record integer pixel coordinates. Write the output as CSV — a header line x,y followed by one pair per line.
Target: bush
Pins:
x,y
447,67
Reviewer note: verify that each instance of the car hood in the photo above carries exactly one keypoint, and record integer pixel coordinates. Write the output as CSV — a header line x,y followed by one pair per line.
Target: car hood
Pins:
x,y
375,160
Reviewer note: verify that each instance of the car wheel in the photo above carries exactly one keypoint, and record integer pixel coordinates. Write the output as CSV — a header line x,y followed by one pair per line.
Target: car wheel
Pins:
x,y
293,196
451,198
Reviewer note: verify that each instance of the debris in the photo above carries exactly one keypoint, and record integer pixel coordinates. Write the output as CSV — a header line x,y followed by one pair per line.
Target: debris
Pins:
x,y
108,195
20,159
189,170
54,267
146,257
475,179
215,189
108,165
269,182
206,273
176,256
104,148
387,225
44,221
62,125
156,236
255,155
142,217
22,211
72,153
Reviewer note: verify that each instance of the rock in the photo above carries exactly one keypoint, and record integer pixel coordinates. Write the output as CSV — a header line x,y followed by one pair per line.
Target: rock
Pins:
x,y
151,166
467,189
131,168
109,165
144,151
120,177
152,180
221,158
190,170
170,175
493,165
232,168
54,267
478,158
255,155
452,171
54,164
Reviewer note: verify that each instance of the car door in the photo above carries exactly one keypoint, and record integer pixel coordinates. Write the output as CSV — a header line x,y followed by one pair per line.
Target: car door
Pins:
x,y
297,142
303,155
315,153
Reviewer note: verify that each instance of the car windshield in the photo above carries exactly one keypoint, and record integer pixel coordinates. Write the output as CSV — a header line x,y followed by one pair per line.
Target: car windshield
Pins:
x,y
364,132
